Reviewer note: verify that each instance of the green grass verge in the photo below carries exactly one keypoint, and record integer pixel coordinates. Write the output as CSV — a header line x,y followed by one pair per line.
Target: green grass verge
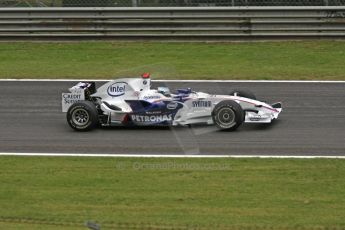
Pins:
x,y
312,60
51,192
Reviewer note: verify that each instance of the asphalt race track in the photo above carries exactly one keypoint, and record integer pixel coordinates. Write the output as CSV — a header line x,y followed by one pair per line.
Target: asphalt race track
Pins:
x,y
312,123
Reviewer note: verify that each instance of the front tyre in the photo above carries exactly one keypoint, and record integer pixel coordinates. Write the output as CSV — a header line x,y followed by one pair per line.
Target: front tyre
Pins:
x,y
228,115
82,116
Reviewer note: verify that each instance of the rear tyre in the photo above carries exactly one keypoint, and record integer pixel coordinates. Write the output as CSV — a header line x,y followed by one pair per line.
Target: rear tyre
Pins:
x,y
228,115
243,93
82,116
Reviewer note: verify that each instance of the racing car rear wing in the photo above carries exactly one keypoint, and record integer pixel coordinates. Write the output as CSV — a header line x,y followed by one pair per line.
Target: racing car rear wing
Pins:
x,y
79,92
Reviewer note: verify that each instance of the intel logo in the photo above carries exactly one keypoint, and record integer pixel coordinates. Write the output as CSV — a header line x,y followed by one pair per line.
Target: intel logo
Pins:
x,y
117,89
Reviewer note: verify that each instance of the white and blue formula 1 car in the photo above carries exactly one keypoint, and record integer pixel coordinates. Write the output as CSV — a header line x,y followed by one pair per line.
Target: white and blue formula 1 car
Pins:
x,y
132,102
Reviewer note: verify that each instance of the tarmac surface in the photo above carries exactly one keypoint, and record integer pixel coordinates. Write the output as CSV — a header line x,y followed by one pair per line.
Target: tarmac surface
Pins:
x,y
312,123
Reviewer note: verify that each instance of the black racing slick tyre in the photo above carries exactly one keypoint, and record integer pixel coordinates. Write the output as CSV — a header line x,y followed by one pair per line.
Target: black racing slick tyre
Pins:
x,y
228,115
243,93
82,116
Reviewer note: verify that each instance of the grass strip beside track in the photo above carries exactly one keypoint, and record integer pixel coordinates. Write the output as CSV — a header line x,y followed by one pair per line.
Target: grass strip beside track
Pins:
x,y
162,193
285,60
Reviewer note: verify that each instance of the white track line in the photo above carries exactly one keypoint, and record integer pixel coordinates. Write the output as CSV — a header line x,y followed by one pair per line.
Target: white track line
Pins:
x,y
163,156
201,81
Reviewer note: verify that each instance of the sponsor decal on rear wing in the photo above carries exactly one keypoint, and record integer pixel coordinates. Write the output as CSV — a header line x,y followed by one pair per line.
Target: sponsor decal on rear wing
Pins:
x,y
79,92
69,99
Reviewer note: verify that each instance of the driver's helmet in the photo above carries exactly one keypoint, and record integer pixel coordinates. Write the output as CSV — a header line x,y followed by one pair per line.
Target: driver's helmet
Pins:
x,y
164,90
